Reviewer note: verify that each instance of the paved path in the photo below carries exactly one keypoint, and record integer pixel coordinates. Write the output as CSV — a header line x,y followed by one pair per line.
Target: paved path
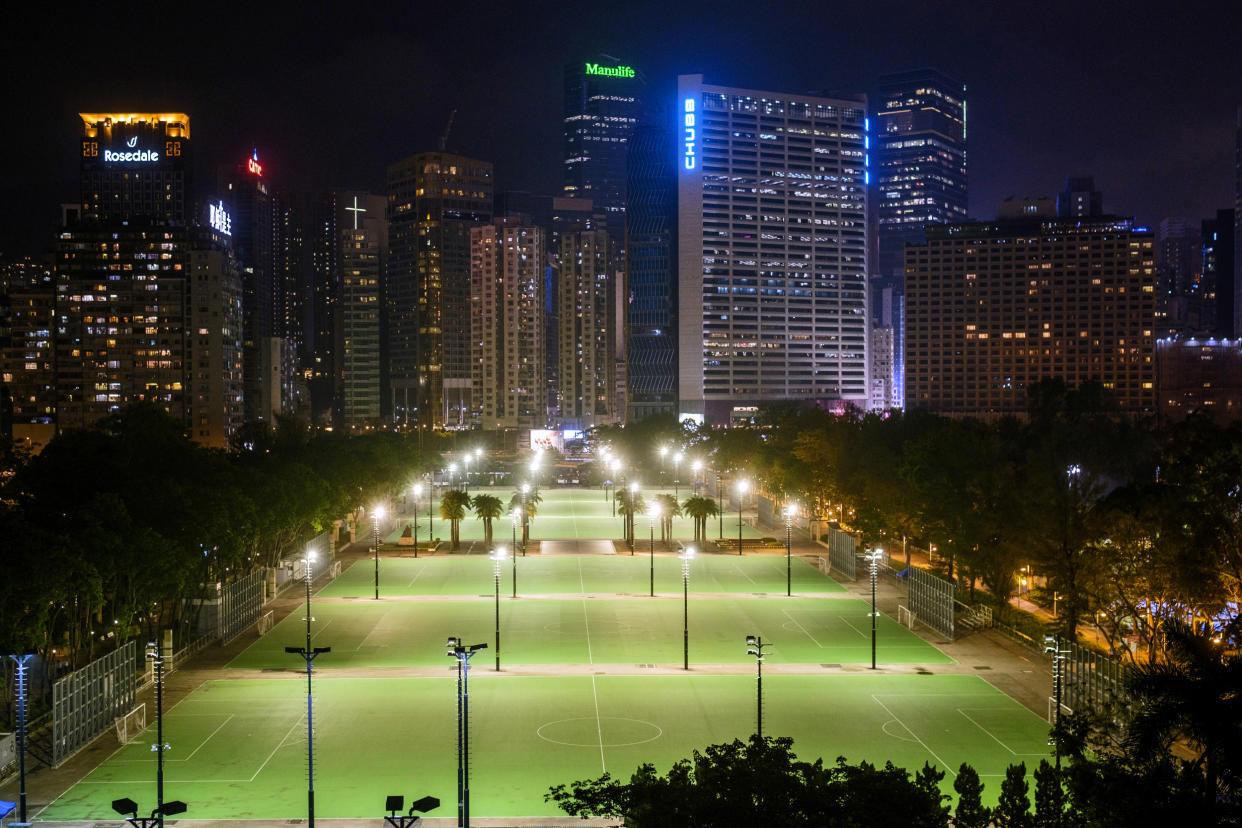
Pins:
x,y
1012,668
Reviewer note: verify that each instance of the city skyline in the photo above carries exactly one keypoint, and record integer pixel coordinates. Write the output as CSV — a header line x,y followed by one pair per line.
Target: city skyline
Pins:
x,y
1072,95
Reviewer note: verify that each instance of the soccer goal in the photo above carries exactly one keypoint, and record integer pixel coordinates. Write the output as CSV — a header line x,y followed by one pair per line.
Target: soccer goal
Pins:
x,y
131,724
905,618
1052,710
334,571
265,623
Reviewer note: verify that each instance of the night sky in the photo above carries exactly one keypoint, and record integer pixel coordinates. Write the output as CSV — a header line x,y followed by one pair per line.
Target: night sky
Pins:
x,y
1141,95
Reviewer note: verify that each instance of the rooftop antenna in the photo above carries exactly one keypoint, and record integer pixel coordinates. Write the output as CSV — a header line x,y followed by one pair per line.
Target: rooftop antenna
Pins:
x,y
447,129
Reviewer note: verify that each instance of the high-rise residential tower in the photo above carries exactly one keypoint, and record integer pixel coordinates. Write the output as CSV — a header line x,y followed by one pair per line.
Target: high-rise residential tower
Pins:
x,y
363,244
772,250
919,177
506,321
434,199
603,104
587,334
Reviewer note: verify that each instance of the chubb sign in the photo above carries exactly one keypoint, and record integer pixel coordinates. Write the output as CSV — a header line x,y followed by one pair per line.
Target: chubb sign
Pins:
x,y
609,71
136,155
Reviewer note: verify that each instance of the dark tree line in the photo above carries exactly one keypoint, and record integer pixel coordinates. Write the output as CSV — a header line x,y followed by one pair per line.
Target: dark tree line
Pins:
x,y
110,531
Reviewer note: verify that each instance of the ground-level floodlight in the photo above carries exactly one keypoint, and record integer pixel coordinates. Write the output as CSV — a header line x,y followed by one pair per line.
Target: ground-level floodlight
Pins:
x,y
392,804
754,646
125,805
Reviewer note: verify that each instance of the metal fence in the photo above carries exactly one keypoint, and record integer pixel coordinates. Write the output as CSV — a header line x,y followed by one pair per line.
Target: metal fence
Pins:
x,y
931,600
1093,681
241,604
86,702
842,551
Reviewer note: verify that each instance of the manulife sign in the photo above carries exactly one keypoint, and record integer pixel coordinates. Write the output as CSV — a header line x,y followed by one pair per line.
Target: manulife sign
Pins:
x,y
610,71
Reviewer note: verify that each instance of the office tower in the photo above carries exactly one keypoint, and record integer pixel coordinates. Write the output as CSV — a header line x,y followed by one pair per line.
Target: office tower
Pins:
x,y
1080,198
1218,273
27,377
587,312
506,324
651,306
136,166
772,250
1199,375
215,318
603,104
434,199
1179,262
363,245
919,179
992,308
881,351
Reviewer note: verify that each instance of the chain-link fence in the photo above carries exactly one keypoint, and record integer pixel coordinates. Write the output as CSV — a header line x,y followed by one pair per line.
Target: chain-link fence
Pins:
x,y
88,701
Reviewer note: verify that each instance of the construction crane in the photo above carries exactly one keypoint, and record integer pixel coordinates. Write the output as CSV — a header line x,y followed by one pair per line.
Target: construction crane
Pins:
x,y
447,129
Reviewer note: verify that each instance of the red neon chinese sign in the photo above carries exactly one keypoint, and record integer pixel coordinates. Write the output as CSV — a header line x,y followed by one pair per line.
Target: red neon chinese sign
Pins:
x,y
253,165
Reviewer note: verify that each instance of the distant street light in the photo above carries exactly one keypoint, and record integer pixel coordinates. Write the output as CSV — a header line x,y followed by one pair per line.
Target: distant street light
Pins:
x,y
629,519
790,510
677,458
516,516
742,486
22,661
377,513
452,467
525,517
615,465
686,557
697,467
652,515
498,557
418,490
873,559
1055,647
754,646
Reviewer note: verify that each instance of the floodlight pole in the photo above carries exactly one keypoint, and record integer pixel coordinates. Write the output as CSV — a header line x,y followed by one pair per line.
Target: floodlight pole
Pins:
x,y
21,662
651,520
788,551
754,646
463,653
431,518
1053,646
308,654
157,659
874,560
416,522
496,559
685,607
375,530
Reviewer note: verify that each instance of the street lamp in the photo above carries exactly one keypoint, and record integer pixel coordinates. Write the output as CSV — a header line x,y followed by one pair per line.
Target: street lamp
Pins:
x,y
615,465
677,458
498,557
418,490
790,510
873,559
452,467
754,646
377,513
431,519
308,654
516,516
742,486
652,515
525,517
697,467
392,804
629,519
463,653
465,464
22,661
663,454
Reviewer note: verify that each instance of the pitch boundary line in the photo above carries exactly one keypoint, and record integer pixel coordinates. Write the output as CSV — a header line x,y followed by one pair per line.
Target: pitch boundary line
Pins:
x,y
804,630
279,745
972,720
943,764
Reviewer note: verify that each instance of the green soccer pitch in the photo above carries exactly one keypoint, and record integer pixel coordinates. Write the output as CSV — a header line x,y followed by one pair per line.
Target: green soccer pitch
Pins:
x,y
239,747
564,514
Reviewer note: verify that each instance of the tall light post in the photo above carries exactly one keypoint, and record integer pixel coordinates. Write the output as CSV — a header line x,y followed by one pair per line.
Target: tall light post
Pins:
x,y
652,516
418,490
157,661
615,465
697,468
677,458
431,519
720,511
516,516
463,652
754,646
308,654
478,459
686,557
1055,647
873,560
377,514
452,469
498,557
742,486
525,516
21,660
465,464
790,510
629,519
663,455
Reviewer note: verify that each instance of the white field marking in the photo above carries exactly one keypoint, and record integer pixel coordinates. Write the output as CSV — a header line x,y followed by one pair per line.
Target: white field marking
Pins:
x,y
884,727
279,745
371,633
943,764
200,744
599,726
739,571
326,624
799,626
850,624
963,710
421,570
585,625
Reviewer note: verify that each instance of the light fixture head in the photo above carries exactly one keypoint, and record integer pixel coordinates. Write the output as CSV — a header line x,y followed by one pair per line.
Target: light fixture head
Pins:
x,y
750,640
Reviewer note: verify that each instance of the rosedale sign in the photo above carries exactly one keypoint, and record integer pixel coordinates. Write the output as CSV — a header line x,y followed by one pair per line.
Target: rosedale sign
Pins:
x,y
609,71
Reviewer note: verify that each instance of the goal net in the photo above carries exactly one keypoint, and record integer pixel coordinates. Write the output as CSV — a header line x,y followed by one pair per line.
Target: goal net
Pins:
x,y
131,724
265,623
905,618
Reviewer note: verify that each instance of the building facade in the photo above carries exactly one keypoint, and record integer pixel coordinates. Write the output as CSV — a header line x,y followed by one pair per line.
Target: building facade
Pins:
x,y
434,200
507,325
587,311
215,350
363,244
1203,375
992,308
772,250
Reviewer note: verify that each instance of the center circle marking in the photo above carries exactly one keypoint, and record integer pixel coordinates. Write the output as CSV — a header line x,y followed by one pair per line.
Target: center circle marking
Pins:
x,y
636,728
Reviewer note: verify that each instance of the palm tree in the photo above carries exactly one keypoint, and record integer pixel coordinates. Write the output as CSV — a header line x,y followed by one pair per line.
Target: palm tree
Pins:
x,y
629,504
487,507
453,508
700,509
1192,697
529,504
669,509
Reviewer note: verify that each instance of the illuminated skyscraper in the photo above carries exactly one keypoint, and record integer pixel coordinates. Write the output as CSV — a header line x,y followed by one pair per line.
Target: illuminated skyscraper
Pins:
x,y
588,337
919,178
603,102
772,250
434,199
